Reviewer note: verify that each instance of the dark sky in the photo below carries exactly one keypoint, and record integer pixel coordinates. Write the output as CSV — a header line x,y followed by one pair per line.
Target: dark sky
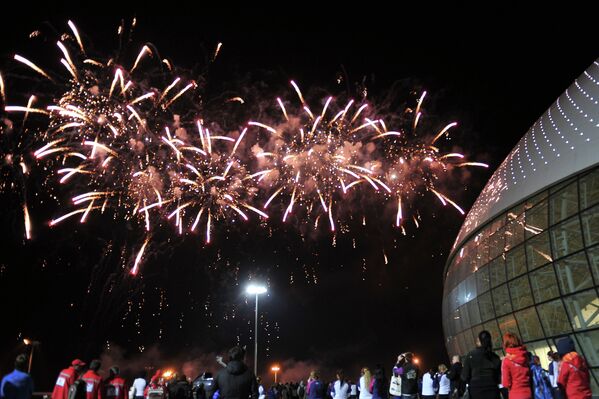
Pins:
x,y
495,73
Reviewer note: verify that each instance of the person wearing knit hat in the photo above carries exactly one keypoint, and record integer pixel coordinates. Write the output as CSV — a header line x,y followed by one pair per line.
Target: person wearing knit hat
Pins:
x,y
565,345
573,377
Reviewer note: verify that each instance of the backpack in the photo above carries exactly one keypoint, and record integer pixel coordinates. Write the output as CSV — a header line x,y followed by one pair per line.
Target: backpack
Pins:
x,y
78,390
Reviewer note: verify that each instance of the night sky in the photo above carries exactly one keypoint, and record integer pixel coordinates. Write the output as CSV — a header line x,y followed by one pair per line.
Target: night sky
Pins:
x,y
66,288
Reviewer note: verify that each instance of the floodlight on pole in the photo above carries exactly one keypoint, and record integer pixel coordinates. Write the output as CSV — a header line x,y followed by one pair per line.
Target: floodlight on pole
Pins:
x,y
33,344
255,289
275,369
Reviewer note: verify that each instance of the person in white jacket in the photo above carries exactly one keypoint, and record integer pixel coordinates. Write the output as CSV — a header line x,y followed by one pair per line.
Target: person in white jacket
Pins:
x,y
364,385
444,383
428,389
138,387
340,387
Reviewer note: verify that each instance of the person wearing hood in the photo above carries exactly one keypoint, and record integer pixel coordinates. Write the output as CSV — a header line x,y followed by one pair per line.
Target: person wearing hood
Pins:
x,y
93,380
236,381
515,368
573,376
66,378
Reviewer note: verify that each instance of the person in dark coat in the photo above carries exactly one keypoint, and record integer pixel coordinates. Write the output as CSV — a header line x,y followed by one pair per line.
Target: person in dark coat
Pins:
x,y
454,374
181,389
236,381
482,369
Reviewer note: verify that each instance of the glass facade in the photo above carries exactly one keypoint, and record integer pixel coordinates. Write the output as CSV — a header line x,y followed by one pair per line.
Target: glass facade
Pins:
x,y
534,271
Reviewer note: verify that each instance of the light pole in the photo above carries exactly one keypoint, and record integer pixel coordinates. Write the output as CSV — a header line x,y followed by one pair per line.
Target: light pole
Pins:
x,y
275,369
33,344
254,289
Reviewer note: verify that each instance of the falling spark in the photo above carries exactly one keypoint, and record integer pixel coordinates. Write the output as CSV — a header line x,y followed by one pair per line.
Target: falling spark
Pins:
x,y
270,129
76,33
32,66
2,92
27,222
420,100
138,258
445,129
280,104
144,50
399,213
218,46
482,165
444,199
299,93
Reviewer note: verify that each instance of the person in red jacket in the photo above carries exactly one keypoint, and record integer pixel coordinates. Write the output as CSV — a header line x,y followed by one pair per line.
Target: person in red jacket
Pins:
x,y
515,370
573,378
115,386
66,378
93,381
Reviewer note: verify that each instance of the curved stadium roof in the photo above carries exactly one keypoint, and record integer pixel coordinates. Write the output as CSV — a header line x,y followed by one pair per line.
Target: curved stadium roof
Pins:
x,y
563,141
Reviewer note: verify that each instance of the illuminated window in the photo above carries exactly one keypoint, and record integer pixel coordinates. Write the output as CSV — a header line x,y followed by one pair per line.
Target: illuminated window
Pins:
x,y
593,254
583,309
538,251
530,326
501,300
497,243
515,262
486,306
473,312
573,273
508,324
566,238
482,279
536,219
589,189
497,271
590,226
564,203
514,233
554,319
520,293
544,284
491,326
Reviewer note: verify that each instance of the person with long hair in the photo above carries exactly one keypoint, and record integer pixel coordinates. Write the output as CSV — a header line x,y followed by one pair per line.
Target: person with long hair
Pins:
x,y
379,385
340,387
364,384
515,368
482,369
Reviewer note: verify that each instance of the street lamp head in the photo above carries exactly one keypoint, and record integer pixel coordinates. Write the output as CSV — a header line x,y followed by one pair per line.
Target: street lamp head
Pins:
x,y
275,368
254,289
27,341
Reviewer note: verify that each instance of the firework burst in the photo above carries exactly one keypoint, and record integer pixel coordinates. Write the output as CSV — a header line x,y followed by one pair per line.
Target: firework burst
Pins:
x,y
412,164
212,184
102,134
312,160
